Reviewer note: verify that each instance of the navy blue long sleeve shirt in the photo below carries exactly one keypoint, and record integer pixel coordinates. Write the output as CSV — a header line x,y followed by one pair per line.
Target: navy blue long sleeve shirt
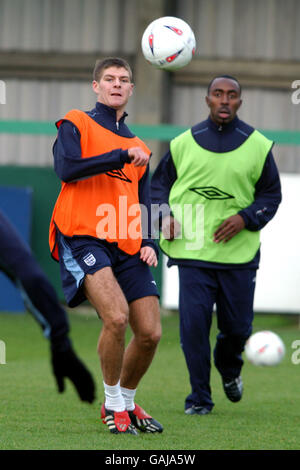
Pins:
x,y
69,166
222,139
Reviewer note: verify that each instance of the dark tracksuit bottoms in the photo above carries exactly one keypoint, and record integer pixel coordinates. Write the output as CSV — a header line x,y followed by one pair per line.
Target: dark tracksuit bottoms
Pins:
x,y
232,292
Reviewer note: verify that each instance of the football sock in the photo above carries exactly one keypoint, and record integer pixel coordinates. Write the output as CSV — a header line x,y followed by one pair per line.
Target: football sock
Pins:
x,y
113,397
128,395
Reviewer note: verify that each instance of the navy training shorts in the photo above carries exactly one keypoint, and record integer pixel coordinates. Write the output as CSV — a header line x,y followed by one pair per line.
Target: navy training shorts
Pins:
x,y
79,256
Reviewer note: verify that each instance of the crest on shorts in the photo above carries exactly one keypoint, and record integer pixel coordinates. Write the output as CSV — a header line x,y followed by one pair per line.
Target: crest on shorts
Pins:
x,y
89,259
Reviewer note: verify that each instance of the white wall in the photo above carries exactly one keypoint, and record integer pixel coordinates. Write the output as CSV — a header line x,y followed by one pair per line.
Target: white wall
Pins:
x,y
278,279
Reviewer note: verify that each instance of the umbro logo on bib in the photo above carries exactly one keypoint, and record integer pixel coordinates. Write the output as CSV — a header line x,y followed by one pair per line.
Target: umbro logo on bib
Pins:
x,y
89,259
118,174
211,192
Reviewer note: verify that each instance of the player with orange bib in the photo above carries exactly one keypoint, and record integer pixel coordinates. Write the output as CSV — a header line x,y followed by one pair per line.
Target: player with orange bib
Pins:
x,y
99,235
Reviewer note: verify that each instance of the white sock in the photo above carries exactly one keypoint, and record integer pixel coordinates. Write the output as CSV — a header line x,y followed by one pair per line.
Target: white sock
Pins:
x,y
113,397
128,395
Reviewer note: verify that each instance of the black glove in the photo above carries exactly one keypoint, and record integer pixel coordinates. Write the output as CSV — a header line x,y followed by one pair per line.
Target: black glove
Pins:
x,y
67,364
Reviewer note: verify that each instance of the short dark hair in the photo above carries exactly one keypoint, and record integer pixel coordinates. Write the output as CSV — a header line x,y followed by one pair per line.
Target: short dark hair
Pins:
x,y
103,64
230,77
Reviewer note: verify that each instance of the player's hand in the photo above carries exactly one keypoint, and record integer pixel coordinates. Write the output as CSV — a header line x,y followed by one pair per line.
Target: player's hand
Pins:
x,y
148,255
229,228
138,157
170,228
67,365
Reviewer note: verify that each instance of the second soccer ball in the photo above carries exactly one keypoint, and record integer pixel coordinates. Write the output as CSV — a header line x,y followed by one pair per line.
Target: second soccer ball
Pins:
x,y
265,348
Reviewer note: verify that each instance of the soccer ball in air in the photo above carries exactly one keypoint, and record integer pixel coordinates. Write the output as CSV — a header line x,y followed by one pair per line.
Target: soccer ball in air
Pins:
x,y
168,43
264,348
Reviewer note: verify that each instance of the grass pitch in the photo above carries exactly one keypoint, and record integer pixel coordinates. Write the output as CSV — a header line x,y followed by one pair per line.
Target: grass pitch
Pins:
x,y
33,416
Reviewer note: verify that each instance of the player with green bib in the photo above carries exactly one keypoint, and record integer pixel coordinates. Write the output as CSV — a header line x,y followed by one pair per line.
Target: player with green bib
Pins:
x,y
218,186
